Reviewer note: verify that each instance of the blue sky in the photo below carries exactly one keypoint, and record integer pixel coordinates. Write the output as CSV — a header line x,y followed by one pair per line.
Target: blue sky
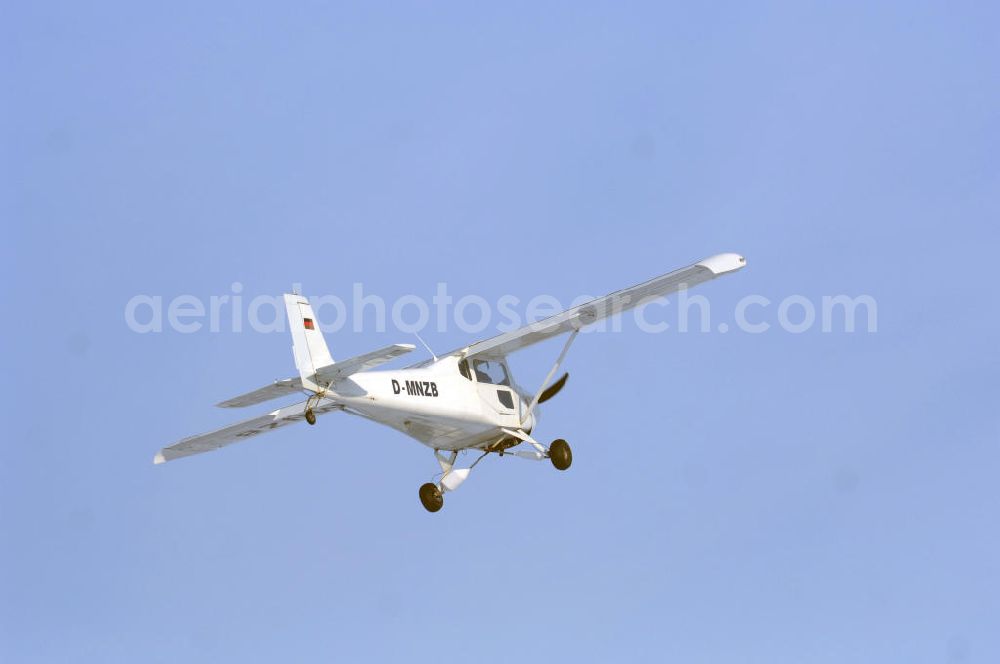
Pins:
x,y
734,497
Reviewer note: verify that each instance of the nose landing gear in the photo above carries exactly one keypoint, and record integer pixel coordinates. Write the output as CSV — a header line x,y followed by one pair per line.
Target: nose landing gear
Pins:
x,y
560,454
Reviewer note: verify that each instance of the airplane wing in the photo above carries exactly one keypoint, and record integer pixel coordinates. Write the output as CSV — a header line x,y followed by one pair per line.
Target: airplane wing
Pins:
x,y
603,307
241,431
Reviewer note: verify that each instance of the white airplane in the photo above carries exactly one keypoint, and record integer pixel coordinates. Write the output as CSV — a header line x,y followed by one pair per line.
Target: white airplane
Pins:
x,y
464,400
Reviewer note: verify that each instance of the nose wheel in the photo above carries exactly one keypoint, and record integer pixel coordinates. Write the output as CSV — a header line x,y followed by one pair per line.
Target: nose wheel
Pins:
x,y
310,416
431,498
560,454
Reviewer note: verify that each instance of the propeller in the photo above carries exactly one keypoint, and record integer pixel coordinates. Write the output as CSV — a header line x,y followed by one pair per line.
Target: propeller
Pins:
x,y
553,389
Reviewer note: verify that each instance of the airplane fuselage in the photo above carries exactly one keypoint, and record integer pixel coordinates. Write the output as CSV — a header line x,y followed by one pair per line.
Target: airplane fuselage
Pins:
x,y
437,404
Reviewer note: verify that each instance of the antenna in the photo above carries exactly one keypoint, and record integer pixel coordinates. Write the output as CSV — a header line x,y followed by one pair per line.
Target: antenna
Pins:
x,y
426,346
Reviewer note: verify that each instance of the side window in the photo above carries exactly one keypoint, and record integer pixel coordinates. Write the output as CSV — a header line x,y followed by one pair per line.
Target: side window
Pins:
x,y
463,368
505,398
491,371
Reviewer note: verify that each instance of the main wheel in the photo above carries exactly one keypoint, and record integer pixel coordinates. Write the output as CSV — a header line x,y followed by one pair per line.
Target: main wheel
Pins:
x,y
560,454
431,498
310,416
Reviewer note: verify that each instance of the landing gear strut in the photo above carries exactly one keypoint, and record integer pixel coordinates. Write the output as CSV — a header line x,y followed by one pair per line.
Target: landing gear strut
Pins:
x,y
431,498
432,495
315,399
560,454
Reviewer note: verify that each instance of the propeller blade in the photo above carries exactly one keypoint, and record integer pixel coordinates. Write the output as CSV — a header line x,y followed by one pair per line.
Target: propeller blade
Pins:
x,y
553,389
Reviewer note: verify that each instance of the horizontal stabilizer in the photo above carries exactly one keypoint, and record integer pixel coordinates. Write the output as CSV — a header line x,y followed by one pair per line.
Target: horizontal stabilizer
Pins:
x,y
275,390
340,370
328,374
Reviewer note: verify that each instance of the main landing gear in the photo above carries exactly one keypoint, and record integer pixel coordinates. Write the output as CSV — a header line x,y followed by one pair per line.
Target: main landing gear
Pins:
x,y
432,495
314,400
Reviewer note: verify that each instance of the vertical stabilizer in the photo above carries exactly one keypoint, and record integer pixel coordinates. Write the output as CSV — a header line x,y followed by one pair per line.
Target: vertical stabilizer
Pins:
x,y
308,345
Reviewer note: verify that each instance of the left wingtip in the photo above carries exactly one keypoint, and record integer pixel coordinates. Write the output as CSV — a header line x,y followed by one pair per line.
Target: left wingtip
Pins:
x,y
159,458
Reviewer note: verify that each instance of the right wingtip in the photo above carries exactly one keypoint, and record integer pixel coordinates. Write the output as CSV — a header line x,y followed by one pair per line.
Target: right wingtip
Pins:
x,y
159,458
722,263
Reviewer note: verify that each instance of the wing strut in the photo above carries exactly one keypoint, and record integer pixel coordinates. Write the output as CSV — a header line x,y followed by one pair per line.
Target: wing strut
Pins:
x,y
552,372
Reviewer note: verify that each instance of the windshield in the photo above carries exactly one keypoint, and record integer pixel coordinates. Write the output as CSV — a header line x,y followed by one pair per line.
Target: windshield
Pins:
x,y
491,371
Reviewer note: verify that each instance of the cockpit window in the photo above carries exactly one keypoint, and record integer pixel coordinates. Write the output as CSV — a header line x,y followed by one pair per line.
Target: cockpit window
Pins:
x,y
491,371
463,368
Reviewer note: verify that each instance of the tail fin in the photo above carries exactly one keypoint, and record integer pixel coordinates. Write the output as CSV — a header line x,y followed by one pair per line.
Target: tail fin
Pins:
x,y
308,345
